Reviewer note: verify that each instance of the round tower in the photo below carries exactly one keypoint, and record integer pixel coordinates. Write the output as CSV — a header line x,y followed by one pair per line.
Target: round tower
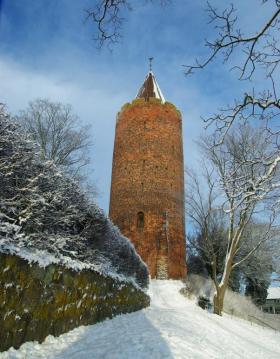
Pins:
x,y
147,189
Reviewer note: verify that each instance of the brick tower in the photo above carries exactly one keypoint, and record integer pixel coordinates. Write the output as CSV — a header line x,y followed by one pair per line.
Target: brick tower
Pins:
x,y
147,189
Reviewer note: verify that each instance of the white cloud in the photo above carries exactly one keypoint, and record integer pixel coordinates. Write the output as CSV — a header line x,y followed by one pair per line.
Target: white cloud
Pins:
x,y
93,101
97,95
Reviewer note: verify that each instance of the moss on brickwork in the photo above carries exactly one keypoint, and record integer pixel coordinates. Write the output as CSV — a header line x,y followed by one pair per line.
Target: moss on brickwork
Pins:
x,y
36,302
141,102
171,105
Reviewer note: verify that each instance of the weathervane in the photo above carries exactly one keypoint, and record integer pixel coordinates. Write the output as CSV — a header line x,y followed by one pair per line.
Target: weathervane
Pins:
x,y
151,59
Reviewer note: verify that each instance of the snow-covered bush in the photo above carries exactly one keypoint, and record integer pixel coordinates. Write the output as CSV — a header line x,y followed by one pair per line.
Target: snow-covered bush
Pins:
x,y
235,304
198,286
242,306
41,208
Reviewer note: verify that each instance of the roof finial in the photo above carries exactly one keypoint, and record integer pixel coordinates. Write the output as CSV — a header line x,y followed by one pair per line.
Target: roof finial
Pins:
x,y
151,59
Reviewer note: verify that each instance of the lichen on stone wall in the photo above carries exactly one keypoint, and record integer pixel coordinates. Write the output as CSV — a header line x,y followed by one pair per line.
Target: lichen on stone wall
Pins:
x,y
36,302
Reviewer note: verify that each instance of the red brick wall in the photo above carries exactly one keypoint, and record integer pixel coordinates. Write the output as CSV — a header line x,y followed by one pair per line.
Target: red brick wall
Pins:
x,y
148,177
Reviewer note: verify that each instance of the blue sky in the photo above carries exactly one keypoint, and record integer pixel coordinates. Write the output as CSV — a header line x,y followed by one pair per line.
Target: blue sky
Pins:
x,y
47,50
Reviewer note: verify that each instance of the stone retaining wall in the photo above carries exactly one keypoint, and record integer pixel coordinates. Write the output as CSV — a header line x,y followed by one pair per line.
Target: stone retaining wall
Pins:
x,y
36,301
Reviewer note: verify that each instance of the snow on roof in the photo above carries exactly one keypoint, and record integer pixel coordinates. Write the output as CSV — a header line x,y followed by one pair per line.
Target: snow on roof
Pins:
x,y
273,293
150,88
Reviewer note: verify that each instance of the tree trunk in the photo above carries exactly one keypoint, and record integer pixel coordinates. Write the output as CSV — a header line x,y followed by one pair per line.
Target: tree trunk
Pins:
x,y
219,301
221,288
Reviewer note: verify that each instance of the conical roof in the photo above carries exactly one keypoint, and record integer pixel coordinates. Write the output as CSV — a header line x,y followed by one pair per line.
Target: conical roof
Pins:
x,y
150,88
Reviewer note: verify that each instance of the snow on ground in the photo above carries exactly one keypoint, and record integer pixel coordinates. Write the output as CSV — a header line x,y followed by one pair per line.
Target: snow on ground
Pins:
x,y
273,293
172,327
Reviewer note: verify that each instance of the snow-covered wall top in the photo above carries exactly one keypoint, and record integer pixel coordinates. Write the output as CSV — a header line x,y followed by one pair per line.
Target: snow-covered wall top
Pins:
x,y
79,254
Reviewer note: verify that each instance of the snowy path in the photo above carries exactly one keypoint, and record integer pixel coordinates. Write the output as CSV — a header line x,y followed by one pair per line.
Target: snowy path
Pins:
x,y
173,327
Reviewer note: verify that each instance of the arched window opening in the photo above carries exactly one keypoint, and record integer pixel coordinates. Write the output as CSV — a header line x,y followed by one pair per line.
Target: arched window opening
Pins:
x,y
140,220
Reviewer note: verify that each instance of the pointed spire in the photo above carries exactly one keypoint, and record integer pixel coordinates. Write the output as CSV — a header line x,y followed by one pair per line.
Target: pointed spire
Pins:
x,y
150,87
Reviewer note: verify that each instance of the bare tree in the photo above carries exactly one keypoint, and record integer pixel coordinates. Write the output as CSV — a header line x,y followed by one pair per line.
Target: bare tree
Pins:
x,y
61,137
106,14
259,49
255,179
109,16
207,239
233,186
257,269
259,53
